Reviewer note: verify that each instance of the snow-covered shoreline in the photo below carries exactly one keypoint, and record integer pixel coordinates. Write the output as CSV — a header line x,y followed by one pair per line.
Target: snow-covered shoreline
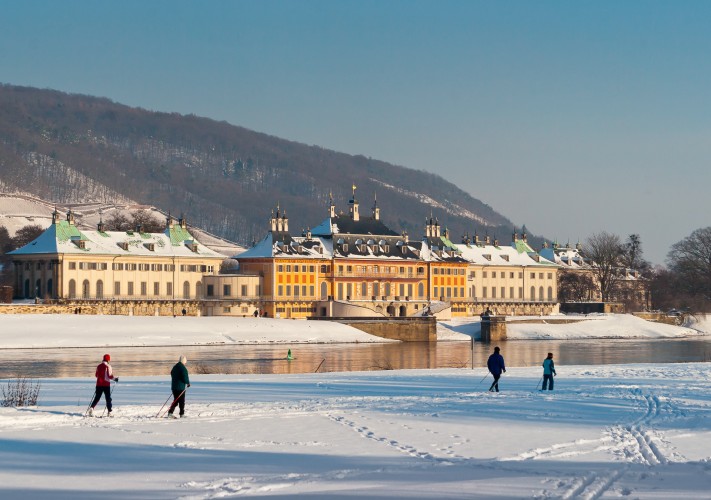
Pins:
x,y
63,331
637,431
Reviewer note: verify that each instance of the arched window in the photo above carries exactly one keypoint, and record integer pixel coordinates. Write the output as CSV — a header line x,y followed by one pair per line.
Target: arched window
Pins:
x,y
72,289
541,295
99,289
403,311
421,290
50,286
550,293
85,290
533,293
387,289
473,292
186,290
198,289
324,290
364,289
376,288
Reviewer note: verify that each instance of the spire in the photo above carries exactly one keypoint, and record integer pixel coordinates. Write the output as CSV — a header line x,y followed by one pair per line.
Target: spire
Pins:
x,y
376,210
70,217
55,216
101,227
353,206
331,206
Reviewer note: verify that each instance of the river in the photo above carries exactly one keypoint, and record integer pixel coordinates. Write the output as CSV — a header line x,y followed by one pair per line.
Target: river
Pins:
x,y
263,359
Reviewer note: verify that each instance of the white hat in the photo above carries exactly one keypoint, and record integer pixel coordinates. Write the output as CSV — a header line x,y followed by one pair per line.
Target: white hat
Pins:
x,y
183,359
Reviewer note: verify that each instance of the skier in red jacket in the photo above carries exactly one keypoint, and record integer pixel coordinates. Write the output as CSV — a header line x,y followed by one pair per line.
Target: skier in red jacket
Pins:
x,y
104,376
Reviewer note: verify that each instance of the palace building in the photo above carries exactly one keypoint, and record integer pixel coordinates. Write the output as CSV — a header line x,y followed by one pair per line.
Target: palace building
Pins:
x,y
65,263
353,265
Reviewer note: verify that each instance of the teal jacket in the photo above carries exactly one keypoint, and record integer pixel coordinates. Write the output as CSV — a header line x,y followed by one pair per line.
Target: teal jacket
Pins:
x,y
548,367
179,377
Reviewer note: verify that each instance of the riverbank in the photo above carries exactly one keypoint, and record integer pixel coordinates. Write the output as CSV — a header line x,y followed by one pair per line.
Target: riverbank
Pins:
x,y
637,431
593,326
29,331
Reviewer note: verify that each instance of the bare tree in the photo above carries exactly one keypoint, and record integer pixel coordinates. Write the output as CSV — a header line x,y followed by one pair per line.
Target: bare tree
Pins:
x,y
632,255
575,286
605,250
690,261
118,222
26,234
148,223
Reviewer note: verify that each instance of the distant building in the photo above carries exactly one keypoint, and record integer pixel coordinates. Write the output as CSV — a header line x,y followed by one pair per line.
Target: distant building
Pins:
x,y
69,264
354,265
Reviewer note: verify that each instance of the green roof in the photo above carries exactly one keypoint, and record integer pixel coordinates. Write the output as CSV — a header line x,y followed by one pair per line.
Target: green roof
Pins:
x,y
67,231
178,235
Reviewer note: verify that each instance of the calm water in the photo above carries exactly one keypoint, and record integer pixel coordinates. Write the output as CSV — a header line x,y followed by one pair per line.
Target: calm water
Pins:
x,y
344,357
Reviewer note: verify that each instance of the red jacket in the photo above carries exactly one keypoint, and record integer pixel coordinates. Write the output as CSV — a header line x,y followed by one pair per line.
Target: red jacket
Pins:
x,y
104,375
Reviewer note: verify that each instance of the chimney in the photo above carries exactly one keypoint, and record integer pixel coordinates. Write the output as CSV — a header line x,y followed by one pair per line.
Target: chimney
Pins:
x,y
55,216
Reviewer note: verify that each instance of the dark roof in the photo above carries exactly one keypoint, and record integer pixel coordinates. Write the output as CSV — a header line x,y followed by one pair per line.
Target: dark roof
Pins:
x,y
366,225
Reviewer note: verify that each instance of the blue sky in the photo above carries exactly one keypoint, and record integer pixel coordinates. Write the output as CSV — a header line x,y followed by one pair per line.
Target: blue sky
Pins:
x,y
570,117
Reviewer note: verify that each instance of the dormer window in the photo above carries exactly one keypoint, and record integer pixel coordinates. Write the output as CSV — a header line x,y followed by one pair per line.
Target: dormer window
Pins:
x,y
505,257
344,247
80,243
123,245
150,246
191,245
487,256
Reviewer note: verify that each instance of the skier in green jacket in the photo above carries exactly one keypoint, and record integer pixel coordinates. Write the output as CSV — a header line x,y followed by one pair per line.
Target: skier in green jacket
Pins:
x,y
179,384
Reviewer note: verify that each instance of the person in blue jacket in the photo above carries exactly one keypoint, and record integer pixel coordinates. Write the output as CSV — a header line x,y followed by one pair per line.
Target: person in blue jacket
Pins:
x,y
496,366
548,372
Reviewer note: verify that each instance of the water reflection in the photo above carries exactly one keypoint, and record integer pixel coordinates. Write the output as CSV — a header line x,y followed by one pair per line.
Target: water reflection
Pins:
x,y
132,361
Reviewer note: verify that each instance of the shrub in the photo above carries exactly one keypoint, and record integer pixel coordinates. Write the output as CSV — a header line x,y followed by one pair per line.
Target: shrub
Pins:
x,y
20,392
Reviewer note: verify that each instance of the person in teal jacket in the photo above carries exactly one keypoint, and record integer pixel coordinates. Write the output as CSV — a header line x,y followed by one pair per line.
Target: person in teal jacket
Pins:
x,y
548,372
179,383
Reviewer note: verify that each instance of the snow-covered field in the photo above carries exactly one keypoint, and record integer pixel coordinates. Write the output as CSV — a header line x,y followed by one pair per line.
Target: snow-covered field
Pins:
x,y
600,326
20,331
67,330
636,431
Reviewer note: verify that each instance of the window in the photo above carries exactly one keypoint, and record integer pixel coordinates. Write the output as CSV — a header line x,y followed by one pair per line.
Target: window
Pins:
x,y
117,266
226,309
550,293
324,290
484,274
436,291
280,290
117,288
493,274
245,291
323,268
402,289
186,290
210,290
511,292
540,276
226,290
520,292
483,292
541,296
72,265
533,276
550,276
303,269
303,290
420,290
288,268
503,292
130,288
72,288
349,269
280,268
85,289
156,288
449,292
169,289
311,290
296,290
511,275
156,267
520,275
311,269
288,290
493,292
144,267
533,293
363,289
144,288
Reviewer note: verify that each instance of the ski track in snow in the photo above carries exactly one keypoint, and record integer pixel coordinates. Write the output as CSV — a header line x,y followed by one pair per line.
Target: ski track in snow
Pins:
x,y
636,442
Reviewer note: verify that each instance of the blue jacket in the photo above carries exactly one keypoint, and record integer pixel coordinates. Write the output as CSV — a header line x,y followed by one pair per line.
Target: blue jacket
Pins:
x,y
496,364
548,367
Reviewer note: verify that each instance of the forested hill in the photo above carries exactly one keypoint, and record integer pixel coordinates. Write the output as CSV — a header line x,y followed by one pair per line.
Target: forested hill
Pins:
x,y
72,148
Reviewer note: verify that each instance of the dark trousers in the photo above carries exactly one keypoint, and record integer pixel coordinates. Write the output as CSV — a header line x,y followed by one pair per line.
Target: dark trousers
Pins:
x,y
546,379
495,384
178,400
106,391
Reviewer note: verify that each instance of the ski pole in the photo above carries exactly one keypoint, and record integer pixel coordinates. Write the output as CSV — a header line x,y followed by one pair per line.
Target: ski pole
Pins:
x,y
175,399
483,379
539,383
92,400
111,393
161,408
319,365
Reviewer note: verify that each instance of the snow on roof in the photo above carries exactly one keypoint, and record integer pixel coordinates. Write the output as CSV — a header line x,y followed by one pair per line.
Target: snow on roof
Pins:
x,y
300,247
490,255
65,238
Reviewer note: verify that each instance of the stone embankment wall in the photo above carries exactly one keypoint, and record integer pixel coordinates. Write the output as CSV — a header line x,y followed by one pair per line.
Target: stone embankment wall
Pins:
x,y
418,329
118,307
658,317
